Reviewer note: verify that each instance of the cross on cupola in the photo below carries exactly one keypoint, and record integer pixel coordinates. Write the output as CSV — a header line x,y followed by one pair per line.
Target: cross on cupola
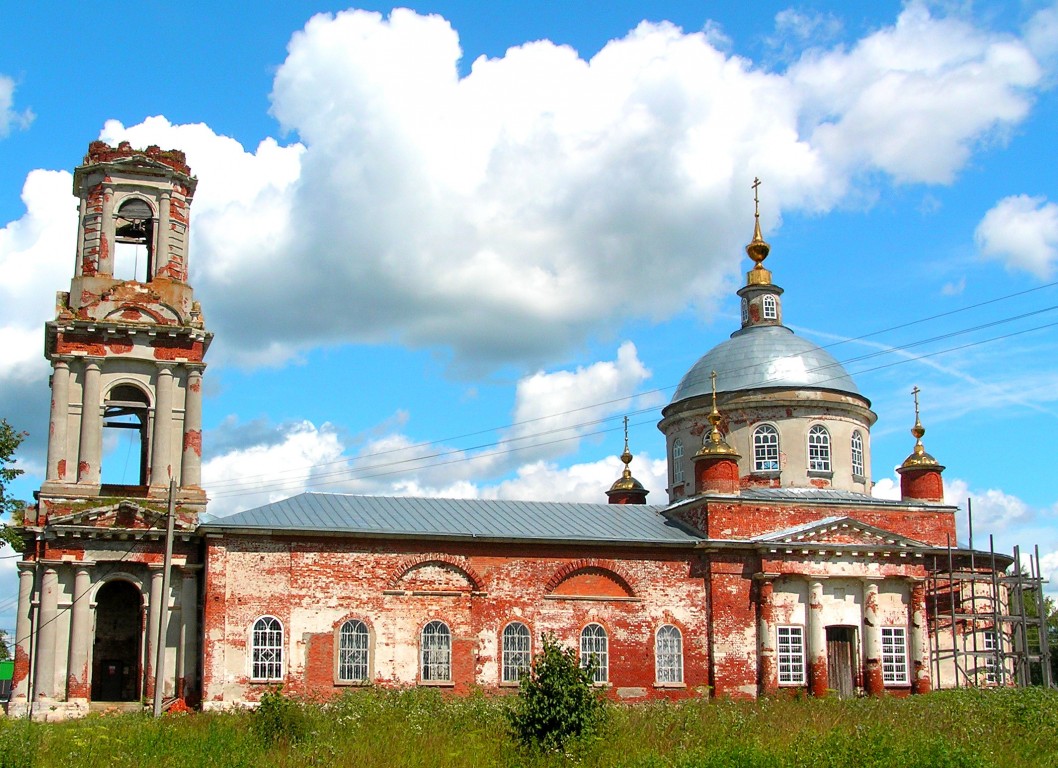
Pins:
x,y
760,297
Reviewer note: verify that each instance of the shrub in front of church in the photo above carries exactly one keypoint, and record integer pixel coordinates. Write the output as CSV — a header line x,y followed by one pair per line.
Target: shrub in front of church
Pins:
x,y
557,701
279,718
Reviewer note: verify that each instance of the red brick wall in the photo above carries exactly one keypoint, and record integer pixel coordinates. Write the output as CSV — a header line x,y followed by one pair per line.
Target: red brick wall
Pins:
x,y
313,585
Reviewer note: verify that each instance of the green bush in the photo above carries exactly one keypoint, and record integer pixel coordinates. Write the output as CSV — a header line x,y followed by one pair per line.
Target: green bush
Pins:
x,y
279,718
557,701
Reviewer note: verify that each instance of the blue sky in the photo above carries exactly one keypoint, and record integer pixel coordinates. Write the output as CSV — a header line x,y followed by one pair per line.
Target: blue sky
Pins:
x,y
429,237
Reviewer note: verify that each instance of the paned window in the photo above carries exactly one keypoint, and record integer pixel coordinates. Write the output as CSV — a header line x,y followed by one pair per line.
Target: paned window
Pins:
x,y
353,650
668,655
517,651
677,461
791,655
894,655
991,667
765,449
770,307
745,311
594,645
436,653
267,649
818,449
857,454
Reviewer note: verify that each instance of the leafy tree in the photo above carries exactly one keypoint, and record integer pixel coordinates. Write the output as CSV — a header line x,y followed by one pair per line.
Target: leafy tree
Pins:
x,y
9,442
557,701
5,654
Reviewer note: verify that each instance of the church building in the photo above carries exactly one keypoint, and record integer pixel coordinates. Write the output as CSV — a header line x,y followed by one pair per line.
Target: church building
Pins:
x,y
768,567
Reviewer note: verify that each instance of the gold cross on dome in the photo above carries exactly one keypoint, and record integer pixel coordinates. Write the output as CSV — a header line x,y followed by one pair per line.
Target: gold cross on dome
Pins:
x,y
914,393
756,198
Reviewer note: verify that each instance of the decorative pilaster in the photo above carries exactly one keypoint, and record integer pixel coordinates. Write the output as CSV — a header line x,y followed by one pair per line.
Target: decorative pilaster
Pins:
x,y
107,240
817,640
872,640
160,468
91,442
57,421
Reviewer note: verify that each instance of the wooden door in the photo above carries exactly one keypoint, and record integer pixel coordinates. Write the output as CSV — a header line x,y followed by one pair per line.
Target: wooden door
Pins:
x,y
841,665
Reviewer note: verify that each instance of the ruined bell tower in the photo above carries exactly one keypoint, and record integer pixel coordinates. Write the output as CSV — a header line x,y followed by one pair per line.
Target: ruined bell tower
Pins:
x,y
128,340
96,610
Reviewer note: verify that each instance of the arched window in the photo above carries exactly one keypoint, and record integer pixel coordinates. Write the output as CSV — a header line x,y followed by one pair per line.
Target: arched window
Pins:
x,y
517,651
857,454
436,653
266,649
668,655
126,410
354,648
595,645
677,461
818,449
134,241
770,307
765,449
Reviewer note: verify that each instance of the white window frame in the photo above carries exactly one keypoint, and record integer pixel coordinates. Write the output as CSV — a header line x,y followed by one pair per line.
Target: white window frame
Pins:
x,y
769,307
990,639
594,642
677,461
435,653
517,653
818,449
745,311
790,655
857,454
668,655
765,449
894,656
354,652
266,649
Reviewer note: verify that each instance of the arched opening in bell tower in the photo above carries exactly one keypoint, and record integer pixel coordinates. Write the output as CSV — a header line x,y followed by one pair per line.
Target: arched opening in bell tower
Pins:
x,y
134,241
116,651
126,411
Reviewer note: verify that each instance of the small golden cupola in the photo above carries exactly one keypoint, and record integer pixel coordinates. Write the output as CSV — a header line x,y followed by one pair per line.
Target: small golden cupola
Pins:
x,y
920,474
761,303
626,489
716,463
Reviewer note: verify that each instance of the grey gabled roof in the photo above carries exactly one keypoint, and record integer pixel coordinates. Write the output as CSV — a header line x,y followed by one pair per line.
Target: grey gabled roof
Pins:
x,y
460,518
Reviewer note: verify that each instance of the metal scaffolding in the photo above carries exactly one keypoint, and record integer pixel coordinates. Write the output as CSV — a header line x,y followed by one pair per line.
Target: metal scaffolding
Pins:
x,y
987,624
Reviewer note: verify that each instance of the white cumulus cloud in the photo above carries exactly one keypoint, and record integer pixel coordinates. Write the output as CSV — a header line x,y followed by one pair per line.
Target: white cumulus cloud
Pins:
x,y
1022,232
9,116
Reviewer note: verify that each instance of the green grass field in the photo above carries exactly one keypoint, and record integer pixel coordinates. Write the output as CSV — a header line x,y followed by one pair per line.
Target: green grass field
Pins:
x,y
954,729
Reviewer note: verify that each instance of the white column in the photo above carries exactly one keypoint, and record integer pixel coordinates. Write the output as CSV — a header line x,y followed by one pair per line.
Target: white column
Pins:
x,y
23,640
163,424
46,634
91,444
161,238
872,640
154,616
77,675
817,640
920,677
191,463
60,411
187,651
107,242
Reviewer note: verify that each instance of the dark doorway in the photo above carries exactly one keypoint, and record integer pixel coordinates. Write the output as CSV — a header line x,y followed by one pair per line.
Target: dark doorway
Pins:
x,y
841,660
116,652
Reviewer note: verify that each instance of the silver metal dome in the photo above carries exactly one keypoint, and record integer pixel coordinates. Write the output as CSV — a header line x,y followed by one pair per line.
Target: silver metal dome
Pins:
x,y
762,356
